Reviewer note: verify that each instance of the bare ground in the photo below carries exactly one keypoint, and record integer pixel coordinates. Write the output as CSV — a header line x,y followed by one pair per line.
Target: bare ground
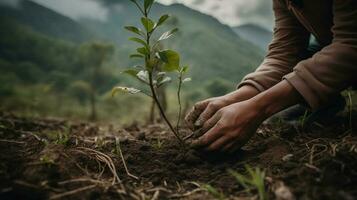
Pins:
x,y
39,161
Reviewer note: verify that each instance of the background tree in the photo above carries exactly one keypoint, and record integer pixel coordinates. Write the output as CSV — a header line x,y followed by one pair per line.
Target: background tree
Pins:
x,y
218,87
93,56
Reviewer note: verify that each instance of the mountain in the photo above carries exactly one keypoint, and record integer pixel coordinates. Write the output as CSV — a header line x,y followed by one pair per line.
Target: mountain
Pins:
x,y
255,34
209,47
45,21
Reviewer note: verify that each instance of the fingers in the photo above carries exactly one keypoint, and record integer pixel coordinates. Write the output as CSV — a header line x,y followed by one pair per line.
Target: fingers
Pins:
x,y
228,146
210,110
195,112
209,137
218,144
236,146
208,125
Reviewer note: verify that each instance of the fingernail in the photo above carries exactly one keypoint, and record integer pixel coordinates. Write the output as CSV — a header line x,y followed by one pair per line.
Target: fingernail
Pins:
x,y
198,123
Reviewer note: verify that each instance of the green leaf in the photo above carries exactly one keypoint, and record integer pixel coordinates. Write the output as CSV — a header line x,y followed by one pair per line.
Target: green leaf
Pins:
x,y
124,90
168,34
214,192
186,80
148,24
148,4
143,50
131,72
164,80
184,69
161,74
136,56
138,40
134,30
143,75
171,60
162,20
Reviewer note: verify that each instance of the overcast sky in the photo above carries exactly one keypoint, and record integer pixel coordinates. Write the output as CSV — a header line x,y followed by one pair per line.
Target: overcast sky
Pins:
x,y
231,12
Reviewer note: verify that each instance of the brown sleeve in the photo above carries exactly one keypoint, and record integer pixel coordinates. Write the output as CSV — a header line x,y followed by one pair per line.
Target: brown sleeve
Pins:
x,y
289,43
334,68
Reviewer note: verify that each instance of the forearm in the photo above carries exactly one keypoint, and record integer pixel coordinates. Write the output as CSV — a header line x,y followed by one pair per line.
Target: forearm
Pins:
x,y
244,93
277,98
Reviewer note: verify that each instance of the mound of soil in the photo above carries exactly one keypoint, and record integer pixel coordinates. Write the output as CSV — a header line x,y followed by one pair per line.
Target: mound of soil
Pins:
x,y
57,159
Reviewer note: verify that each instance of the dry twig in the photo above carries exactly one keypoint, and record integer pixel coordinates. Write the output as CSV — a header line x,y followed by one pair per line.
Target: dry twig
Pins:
x,y
117,144
65,194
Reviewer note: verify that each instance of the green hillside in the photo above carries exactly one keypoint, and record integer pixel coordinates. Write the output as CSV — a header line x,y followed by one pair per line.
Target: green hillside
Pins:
x,y
255,34
46,21
212,49
43,67
209,47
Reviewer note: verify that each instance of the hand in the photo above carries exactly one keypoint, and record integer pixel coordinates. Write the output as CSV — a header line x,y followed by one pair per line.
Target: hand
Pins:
x,y
231,127
204,110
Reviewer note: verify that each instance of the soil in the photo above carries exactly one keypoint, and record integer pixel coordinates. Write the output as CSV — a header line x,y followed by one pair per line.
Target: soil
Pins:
x,y
39,161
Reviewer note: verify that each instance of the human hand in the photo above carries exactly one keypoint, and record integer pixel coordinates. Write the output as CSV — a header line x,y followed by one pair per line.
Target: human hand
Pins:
x,y
230,127
204,110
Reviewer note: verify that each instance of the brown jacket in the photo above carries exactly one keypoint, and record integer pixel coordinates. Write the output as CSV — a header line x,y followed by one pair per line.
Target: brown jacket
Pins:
x,y
329,71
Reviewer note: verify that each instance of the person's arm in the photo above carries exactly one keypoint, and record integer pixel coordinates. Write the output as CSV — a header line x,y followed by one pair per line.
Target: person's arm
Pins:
x,y
334,68
288,47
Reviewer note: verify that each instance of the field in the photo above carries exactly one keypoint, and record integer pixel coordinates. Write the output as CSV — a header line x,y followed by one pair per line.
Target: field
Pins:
x,y
45,158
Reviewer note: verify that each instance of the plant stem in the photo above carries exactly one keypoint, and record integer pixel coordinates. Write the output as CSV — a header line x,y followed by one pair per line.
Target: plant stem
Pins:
x,y
152,88
179,103
154,96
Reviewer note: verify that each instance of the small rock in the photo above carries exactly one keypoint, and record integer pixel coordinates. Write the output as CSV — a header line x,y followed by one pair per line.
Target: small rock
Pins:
x,y
283,193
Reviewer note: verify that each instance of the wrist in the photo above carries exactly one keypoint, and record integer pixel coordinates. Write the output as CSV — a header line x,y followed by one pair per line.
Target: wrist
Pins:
x,y
276,99
244,93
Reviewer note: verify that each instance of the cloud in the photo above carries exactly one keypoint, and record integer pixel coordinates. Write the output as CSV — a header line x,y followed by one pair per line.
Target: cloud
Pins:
x,y
233,12
77,9
11,3
230,12
257,11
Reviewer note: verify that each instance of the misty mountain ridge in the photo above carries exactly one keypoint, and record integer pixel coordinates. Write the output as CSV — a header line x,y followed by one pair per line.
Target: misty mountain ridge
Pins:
x,y
255,34
45,21
209,47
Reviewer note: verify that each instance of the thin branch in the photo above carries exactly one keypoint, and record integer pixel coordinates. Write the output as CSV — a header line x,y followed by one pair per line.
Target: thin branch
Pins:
x,y
117,144
65,194
137,5
12,141
107,160
179,102
153,91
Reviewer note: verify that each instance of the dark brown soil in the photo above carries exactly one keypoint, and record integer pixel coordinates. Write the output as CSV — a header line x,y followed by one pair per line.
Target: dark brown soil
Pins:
x,y
35,164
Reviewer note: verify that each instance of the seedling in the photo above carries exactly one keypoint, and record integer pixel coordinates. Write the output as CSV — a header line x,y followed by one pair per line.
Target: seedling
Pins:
x,y
254,180
159,143
157,63
62,139
46,160
214,192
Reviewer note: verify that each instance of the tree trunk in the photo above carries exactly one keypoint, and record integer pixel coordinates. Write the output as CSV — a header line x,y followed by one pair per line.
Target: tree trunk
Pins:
x,y
93,114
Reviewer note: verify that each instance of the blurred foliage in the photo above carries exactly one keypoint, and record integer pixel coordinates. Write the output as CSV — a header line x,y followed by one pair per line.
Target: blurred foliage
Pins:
x,y
46,71
219,87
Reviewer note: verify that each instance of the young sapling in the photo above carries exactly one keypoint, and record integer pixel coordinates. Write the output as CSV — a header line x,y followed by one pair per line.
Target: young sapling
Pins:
x,y
157,63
